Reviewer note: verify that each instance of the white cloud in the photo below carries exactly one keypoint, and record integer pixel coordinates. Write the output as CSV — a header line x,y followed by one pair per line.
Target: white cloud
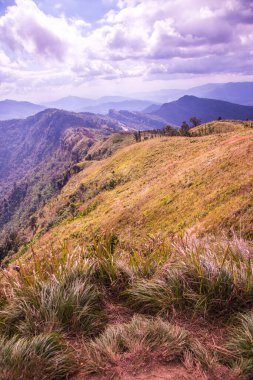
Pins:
x,y
138,39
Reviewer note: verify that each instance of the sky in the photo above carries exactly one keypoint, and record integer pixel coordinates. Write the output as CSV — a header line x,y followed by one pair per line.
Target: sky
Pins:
x,y
91,48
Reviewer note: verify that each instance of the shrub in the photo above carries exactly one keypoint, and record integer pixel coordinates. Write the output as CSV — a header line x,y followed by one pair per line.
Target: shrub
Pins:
x,y
155,296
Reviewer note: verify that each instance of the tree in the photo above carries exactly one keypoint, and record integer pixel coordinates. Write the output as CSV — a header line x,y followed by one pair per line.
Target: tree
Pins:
x,y
137,136
195,121
33,223
10,244
170,131
184,129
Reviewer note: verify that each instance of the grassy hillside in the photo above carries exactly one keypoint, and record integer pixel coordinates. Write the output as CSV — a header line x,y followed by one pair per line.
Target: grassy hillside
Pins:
x,y
116,285
166,185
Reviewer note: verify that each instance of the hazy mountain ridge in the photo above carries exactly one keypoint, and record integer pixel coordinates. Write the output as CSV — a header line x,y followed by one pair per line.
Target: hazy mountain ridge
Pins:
x,y
234,92
137,120
205,109
238,93
101,105
36,156
11,109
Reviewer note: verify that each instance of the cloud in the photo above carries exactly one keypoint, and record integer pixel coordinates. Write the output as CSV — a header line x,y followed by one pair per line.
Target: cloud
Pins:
x,y
147,39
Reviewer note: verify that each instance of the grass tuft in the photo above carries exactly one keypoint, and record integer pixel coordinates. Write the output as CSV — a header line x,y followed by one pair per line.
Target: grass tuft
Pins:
x,y
203,276
43,357
140,341
109,270
66,303
240,345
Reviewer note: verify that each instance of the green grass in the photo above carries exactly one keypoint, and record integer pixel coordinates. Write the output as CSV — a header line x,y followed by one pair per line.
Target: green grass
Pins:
x,y
240,345
109,270
43,357
206,277
67,303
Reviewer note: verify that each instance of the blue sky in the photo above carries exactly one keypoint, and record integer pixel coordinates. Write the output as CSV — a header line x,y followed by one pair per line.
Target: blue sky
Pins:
x,y
50,49
89,10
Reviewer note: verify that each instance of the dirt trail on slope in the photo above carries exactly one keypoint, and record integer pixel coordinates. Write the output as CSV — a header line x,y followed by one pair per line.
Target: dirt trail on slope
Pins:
x,y
169,372
229,142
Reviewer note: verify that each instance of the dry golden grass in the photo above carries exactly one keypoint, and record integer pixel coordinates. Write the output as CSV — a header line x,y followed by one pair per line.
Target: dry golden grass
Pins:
x,y
165,185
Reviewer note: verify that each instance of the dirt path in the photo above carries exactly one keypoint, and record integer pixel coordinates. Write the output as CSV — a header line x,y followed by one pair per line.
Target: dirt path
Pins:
x,y
229,142
170,372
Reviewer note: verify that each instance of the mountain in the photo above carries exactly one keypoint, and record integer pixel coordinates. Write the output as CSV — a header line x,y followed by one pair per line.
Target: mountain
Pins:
x,y
12,109
240,93
163,184
152,108
108,99
128,105
205,109
137,120
234,92
39,154
101,105
71,103
162,96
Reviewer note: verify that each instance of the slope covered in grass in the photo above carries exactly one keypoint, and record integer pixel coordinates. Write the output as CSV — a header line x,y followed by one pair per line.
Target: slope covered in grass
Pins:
x,y
93,312
151,296
165,185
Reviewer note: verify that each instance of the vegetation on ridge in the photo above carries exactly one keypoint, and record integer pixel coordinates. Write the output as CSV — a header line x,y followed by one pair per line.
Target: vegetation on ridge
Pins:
x,y
169,184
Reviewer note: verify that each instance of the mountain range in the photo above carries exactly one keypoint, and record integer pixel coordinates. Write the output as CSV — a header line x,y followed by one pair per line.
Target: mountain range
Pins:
x,y
101,105
238,93
234,92
39,154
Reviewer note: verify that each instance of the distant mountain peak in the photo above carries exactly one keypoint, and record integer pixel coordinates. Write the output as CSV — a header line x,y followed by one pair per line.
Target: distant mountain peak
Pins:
x,y
14,109
205,109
